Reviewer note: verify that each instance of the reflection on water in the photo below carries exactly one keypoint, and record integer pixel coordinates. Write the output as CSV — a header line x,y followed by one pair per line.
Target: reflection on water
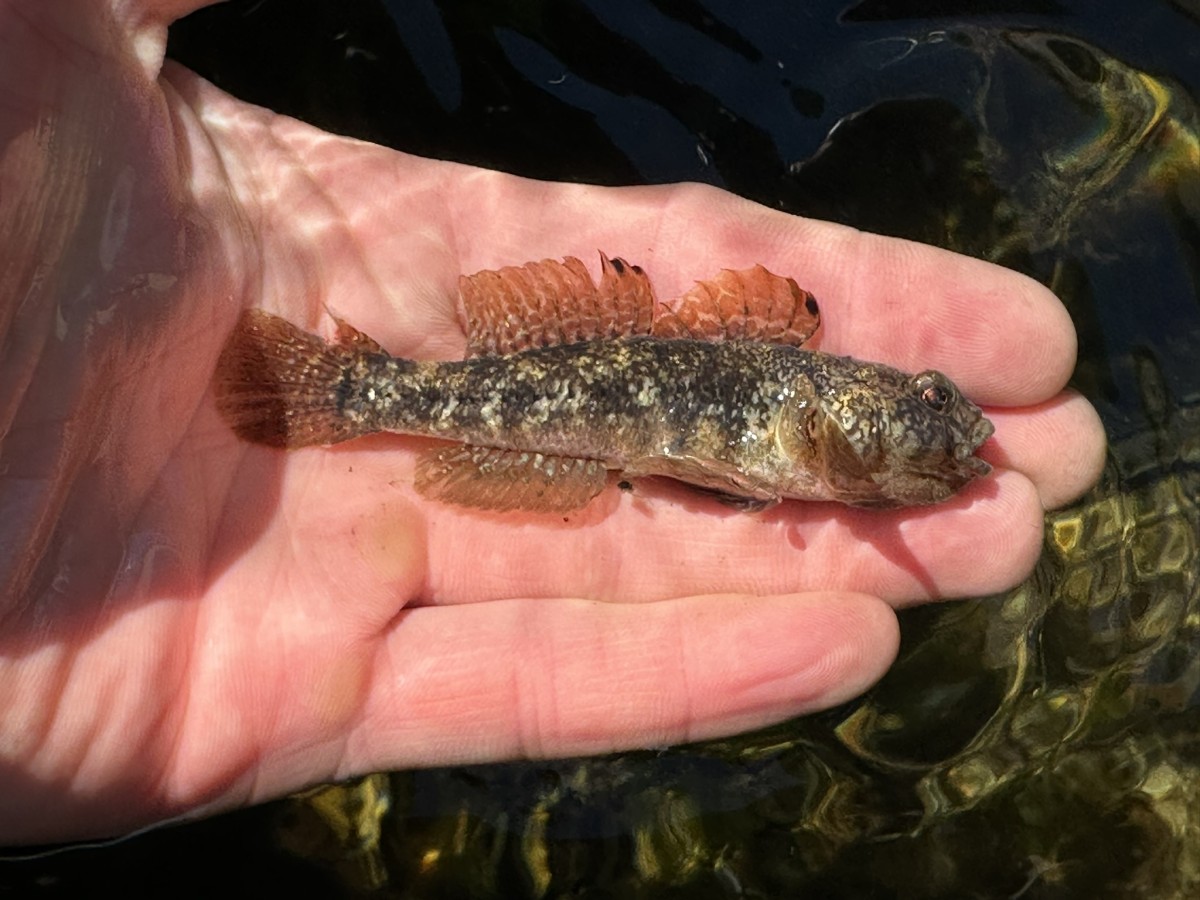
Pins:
x,y
1139,135
1040,743
342,827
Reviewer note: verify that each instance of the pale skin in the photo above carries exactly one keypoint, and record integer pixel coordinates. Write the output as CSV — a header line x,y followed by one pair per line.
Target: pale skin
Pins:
x,y
190,623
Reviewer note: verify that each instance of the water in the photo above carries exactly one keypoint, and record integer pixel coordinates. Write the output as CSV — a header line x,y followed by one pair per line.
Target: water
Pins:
x,y
1041,743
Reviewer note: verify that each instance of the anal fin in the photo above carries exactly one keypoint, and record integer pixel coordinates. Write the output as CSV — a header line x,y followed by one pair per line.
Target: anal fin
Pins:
x,y
489,478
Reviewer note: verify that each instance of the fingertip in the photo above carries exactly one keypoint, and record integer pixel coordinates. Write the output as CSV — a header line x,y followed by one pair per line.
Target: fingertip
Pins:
x,y
1059,445
1013,343
1004,547
568,677
795,654
1003,337
1012,552
1084,452
985,540
864,639
1050,344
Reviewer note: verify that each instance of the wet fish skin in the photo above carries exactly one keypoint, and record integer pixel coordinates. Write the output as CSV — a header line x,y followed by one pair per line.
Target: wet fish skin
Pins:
x,y
748,419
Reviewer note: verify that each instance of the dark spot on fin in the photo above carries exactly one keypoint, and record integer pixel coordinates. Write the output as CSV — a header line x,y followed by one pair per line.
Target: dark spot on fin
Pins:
x,y
748,304
625,300
488,478
278,385
548,303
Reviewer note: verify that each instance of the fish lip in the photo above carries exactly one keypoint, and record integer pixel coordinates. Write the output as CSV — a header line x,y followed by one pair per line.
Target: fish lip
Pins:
x,y
967,465
974,467
979,433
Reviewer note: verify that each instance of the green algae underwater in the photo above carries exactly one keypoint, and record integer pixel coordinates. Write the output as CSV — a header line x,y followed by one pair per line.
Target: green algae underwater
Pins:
x,y
1038,743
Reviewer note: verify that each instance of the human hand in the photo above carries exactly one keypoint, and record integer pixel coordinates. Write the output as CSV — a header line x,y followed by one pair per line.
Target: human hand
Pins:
x,y
192,622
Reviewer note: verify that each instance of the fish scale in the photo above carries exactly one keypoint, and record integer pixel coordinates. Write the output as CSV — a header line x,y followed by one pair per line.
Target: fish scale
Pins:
x,y
610,400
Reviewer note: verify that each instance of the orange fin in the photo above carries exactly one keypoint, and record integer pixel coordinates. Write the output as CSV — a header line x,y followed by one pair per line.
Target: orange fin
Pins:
x,y
748,304
488,478
276,384
626,299
543,304
352,339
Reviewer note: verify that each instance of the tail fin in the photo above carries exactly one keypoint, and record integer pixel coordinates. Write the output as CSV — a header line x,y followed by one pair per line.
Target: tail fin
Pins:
x,y
281,386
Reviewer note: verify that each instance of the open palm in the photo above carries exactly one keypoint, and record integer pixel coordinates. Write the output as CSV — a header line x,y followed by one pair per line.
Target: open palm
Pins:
x,y
192,622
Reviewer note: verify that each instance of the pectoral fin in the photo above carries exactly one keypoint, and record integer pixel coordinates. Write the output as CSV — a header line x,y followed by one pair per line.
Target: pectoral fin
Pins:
x,y
488,478
724,481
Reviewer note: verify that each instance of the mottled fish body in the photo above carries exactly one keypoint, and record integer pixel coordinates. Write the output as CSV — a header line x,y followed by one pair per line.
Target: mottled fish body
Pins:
x,y
567,381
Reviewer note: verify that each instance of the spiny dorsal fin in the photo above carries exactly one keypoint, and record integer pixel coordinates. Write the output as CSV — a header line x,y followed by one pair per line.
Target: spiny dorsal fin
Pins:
x,y
542,304
747,304
626,299
489,478
352,339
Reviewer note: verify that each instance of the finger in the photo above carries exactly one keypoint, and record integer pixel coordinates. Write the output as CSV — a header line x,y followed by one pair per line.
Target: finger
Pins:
x,y
1002,337
164,12
355,512
537,678
983,541
1059,445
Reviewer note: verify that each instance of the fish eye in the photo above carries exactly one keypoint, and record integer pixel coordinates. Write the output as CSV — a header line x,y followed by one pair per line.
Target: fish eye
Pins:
x,y
934,391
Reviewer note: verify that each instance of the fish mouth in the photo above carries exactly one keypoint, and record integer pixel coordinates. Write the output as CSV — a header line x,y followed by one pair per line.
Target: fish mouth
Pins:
x,y
879,482
973,467
964,454
980,432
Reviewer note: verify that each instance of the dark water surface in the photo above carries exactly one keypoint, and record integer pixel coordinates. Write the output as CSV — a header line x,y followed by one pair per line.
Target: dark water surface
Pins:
x,y
1040,743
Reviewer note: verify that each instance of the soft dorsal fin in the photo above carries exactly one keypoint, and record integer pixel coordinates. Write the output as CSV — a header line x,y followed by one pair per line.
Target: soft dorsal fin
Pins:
x,y
490,478
747,304
541,304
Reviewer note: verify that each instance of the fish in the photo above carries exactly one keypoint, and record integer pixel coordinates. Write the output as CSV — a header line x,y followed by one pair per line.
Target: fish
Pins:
x,y
567,384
